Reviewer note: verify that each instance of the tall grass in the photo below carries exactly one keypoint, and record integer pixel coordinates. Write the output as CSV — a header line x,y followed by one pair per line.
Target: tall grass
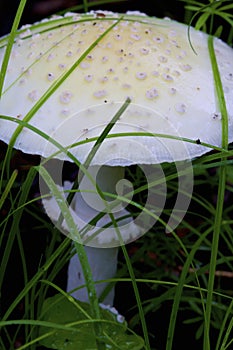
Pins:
x,y
173,281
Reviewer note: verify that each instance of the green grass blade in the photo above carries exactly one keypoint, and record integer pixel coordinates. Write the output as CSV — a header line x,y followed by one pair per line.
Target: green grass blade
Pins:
x,y
221,193
58,83
10,43
179,289
8,187
15,224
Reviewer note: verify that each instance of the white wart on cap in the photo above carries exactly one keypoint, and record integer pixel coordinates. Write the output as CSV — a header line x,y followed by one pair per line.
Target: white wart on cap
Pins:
x,y
147,59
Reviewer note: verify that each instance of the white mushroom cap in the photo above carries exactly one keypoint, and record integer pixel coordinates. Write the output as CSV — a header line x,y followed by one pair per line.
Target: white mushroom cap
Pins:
x,y
147,59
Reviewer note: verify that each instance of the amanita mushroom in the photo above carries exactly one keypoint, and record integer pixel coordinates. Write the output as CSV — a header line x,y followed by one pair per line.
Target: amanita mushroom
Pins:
x,y
67,76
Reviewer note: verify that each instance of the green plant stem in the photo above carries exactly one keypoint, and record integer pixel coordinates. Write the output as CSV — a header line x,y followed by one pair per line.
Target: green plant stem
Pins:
x,y
85,5
79,247
95,148
8,187
15,224
35,278
10,43
179,290
221,193
214,253
137,296
93,300
74,231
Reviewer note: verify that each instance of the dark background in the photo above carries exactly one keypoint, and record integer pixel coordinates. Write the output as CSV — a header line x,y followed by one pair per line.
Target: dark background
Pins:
x,y
37,9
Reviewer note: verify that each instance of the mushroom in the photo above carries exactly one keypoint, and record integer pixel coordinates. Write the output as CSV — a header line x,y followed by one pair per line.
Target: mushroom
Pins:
x,y
68,76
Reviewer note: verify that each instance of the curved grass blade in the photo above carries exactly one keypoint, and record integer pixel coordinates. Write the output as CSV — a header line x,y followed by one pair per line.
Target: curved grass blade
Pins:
x,y
221,194
10,43
8,187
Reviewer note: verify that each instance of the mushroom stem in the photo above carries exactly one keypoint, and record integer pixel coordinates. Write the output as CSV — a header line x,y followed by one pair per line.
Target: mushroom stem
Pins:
x,y
102,248
103,178
103,264
104,224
